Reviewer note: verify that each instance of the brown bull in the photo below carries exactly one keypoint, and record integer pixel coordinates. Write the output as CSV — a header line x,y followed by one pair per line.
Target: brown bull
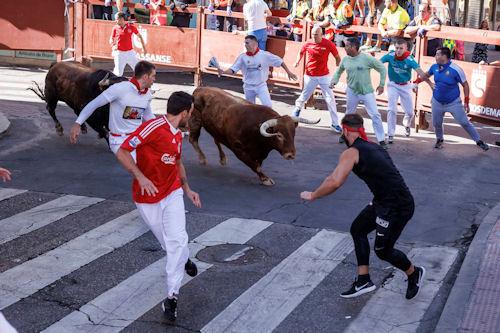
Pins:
x,y
250,131
76,85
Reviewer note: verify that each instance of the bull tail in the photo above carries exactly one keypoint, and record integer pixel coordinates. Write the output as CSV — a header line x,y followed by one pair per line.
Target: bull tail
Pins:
x,y
37,90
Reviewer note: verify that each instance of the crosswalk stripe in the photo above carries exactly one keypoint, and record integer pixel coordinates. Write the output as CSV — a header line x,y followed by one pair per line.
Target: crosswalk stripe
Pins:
x,y
25,279
389,311
40,216
120,306
6,193
268,302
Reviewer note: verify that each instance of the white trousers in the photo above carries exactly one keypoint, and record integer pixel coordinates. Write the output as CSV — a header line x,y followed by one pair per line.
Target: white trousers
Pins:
x,y
167,221
310,83
122,58
260,91
403,93
371,107
116,141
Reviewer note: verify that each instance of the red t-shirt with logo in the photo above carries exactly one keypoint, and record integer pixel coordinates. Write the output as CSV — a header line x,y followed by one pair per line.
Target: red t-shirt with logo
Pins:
x,y
122,37
317,56
158,146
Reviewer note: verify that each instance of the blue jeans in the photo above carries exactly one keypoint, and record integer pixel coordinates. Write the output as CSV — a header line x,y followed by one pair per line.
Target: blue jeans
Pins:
x,y
261,36
457,111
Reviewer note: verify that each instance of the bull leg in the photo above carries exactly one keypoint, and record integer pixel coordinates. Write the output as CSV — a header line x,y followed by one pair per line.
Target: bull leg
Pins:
x,y
256,167
222,156
51,107
194,135
83,127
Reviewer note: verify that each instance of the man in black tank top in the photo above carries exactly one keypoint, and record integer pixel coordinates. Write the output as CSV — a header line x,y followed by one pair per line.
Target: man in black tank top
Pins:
x,y
391,208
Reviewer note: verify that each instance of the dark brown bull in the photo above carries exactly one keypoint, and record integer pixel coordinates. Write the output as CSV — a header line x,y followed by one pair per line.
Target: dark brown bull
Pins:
x,y
76,85
250,131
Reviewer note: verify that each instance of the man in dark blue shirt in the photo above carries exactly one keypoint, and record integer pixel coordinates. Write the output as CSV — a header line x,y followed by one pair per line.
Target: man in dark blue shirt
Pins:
x,y
446,97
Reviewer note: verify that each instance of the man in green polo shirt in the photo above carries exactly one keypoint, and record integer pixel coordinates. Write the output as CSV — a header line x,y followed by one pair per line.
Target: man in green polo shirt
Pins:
x,y
359,85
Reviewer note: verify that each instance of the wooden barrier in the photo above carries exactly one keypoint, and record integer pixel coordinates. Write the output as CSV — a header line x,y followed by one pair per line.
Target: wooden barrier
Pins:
x,y
191,48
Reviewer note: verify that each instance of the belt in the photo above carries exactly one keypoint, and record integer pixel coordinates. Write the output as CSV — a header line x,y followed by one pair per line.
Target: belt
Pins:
x,y
116,134
401,83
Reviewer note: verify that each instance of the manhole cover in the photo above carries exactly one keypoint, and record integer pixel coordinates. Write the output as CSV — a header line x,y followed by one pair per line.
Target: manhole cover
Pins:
x,y
234,254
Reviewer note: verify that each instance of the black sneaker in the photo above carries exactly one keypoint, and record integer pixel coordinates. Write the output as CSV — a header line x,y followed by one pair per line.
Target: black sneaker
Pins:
x,y
407,131
169,307
390,139
358,289
415,282
383,145
482,145
439,144
190,268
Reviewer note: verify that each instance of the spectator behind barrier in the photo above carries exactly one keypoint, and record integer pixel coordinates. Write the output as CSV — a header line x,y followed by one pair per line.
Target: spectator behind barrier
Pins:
x,y
222,21
321,15
256,13
103,12
157,15
181,16
300,10
392,23
480,53
422,23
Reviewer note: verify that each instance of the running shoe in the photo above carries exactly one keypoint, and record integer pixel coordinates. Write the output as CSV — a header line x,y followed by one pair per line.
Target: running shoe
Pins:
x,y
169,307
407,131
390,139
190,268
415,282
296,112
439,144
383,145
482,145
358,289
336,128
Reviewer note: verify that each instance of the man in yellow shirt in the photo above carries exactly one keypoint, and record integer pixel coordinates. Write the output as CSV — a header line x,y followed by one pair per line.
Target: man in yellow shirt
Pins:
x,y
392,23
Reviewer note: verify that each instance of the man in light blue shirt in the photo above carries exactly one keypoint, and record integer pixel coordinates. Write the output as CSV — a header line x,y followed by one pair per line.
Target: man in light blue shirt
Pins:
x,y
399,87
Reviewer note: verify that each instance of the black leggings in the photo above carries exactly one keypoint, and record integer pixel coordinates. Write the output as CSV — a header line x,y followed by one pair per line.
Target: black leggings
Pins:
x,y
387,233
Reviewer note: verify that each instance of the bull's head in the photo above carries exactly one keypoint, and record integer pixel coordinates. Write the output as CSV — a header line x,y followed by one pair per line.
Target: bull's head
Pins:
x,y
282,132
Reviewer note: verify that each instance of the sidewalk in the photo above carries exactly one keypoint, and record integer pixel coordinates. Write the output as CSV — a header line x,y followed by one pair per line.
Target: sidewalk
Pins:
x,y
474,301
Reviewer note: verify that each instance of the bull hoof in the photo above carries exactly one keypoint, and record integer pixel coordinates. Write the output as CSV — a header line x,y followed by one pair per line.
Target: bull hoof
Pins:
x,y
223,161
59,130
267,182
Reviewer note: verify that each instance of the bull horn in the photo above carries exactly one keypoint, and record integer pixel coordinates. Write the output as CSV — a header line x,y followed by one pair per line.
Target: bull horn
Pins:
x,y
101,83
265,125
305,121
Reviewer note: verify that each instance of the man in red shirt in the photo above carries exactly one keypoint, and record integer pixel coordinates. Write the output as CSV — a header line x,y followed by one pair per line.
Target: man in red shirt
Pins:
x,y
121,44
317,74
158,187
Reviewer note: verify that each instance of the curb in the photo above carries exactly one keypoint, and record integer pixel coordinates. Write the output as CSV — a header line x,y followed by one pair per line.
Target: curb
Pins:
x,y
4,123
460,295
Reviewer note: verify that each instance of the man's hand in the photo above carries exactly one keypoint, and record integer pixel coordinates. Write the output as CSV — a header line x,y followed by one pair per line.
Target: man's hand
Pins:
x,y
147,186
219,71
306,196
5,174
195,198
292,76
466,104
421,32
380,90
74,133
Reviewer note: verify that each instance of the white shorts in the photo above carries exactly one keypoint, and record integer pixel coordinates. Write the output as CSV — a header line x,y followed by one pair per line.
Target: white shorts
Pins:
x,y
116,141
167,221
261,92
123,58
